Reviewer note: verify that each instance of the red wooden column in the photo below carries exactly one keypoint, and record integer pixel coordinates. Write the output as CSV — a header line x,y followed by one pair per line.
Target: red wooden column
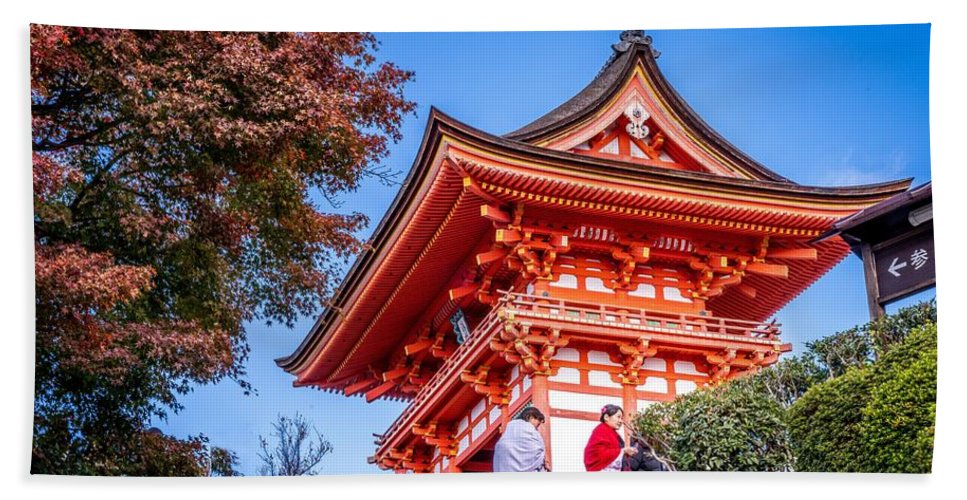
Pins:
x,y
629,402
539,399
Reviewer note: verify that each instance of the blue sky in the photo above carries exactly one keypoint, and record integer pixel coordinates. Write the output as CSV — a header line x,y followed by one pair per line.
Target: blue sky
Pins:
x,y
821,106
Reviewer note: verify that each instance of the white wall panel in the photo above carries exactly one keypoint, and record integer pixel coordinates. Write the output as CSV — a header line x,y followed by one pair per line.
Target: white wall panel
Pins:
x,y
566,375
575,401
601,379
568,438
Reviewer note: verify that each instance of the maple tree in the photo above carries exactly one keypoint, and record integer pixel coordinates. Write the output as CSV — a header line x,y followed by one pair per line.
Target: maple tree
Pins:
x,y
177,185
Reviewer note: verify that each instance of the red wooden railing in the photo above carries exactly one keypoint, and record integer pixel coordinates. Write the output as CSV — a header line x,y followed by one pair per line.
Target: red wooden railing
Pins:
x,y
524,305
638,318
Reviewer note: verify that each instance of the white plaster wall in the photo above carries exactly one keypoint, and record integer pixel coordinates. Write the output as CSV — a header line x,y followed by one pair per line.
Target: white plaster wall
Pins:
x,y
593,284
575,401
601,379
655,364
566,281
684,387
643,290
566,354
568,438
674,294
494,414
655,384
479,429
566,375
686,367
600,358
477,409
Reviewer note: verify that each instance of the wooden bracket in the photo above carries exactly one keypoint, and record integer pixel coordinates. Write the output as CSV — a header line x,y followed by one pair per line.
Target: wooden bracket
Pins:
x,y
532,352
721,364
632,357
628,259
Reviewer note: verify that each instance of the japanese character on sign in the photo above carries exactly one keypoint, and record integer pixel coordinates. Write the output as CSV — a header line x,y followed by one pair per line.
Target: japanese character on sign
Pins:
x,y
918,258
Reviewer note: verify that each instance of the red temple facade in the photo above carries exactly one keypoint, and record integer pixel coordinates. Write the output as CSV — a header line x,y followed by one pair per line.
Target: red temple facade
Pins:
x,y
616,250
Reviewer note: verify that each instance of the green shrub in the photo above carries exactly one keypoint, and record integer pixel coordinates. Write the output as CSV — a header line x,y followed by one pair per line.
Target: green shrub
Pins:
x,y
877,418
898,421
861,400
734,427
825,422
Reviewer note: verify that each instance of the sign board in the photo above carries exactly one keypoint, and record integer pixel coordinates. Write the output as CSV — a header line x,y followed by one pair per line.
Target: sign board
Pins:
x,y
460,328
905,267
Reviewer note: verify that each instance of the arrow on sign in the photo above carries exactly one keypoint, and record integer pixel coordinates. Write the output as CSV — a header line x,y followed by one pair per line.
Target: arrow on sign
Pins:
x,y
894,267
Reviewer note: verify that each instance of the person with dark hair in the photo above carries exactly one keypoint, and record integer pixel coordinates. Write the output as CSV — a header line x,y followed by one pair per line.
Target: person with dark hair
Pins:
x,y
606,448
644,459
521,447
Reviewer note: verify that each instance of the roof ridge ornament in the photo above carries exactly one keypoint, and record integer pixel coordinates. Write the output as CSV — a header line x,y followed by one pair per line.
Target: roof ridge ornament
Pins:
x,y
630,38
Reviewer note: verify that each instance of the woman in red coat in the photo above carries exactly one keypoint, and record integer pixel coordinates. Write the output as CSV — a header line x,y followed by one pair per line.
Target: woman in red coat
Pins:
x,y
606,449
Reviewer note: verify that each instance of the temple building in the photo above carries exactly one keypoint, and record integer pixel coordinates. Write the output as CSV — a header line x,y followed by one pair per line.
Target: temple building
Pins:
x,y
616,250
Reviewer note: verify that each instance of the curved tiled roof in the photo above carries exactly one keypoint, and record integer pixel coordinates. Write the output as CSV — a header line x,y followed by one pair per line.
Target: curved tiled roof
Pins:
x,y
635,48
440,126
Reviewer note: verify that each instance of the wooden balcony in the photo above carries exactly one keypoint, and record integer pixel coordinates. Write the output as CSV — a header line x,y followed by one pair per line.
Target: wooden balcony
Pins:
x,y
583,320
597,319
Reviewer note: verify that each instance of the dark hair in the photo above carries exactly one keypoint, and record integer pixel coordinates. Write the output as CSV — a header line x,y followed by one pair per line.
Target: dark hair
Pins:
x,y
609,410
531,412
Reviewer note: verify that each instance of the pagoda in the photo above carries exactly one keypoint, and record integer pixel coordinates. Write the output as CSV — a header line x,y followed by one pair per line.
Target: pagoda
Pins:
x,y
616,250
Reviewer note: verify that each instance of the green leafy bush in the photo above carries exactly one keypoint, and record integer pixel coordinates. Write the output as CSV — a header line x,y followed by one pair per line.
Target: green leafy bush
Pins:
x,y
861,400
731,428
825,422
876,418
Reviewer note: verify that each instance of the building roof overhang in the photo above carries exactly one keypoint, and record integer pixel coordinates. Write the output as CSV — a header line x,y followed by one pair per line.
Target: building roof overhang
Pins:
x,y
433,223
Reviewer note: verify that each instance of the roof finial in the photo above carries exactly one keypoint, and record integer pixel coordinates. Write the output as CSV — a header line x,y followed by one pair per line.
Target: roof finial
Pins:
x,y
634,37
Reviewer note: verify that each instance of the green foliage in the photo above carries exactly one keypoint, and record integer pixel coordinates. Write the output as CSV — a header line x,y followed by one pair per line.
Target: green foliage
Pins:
x,y
861,400
844,350
892,329
790,378
730,428
825,422
861,345
899,419
876,418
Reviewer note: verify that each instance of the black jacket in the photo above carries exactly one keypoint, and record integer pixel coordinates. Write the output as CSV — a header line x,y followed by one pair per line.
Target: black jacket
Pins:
x,y
643,459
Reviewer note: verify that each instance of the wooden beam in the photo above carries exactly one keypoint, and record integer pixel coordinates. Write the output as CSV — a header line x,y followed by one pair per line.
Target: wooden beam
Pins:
x,y
507,236
718,262
497,253
559,240
463,291
777,270
793,253
395,374
358,386
495,214
872,287
383,388
746,290
417,346
477,467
